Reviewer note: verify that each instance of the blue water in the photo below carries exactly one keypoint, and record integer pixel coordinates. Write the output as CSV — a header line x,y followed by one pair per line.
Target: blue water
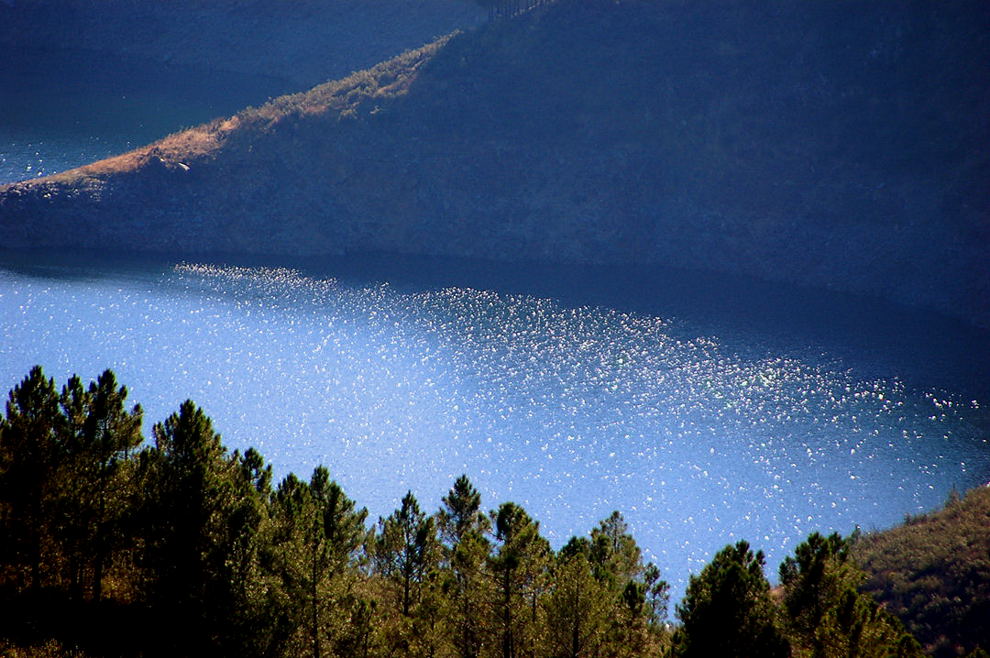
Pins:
x,y
700,430
60,110
705,408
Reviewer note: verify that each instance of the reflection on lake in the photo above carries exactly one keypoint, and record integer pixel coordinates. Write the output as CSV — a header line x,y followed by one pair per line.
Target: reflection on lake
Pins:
x,y
570,410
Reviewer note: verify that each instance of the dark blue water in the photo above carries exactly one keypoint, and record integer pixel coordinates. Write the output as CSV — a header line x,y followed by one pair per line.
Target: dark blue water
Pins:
x,y
65,109
706,408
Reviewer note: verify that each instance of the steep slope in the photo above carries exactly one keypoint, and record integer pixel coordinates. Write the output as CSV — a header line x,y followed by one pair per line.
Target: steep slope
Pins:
x,y
840,145
934,573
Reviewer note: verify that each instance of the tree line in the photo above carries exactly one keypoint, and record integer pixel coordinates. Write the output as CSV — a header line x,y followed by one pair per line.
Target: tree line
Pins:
x,y
176,546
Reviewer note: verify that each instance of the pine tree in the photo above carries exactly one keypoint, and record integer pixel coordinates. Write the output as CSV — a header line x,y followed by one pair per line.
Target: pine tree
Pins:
x,y
614,552
406,557
727,610
460,513
631,596
187,496
578,605
95,479
318,534
826,614
404,550
463,529
286,557
243,530
339,533
656,595
31,451
519,571
618,564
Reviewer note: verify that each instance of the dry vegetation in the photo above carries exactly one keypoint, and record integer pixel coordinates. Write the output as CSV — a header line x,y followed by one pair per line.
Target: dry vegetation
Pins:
x,y
340,99
934,573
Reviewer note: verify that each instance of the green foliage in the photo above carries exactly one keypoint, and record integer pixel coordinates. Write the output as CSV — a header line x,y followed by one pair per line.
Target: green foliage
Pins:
x,y
31,451
727,610
405,550
577,608
463,530
100,537
519,571
187,500
317,535
461,514
826,615
96,478
629,598
406,556
246,518
636,596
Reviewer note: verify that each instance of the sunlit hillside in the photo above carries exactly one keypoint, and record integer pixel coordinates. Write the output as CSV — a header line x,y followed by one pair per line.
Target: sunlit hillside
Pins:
x,y
934,573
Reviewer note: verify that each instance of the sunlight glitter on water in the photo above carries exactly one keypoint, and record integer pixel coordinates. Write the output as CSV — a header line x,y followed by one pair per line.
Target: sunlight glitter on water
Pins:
x,y
571,412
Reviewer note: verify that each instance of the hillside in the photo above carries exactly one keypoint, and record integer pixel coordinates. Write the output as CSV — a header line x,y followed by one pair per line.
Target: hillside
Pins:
x,y
839,145
934,573
299,42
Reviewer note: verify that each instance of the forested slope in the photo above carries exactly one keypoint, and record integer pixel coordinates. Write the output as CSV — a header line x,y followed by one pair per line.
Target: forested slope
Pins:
x,y
840,145
934,573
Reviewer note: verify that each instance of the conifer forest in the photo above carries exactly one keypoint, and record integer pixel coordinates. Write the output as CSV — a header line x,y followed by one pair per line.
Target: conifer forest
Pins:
x,y
118,545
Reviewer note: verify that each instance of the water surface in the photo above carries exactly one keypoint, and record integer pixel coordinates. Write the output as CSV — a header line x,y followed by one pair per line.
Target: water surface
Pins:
x,y
705,408
701,427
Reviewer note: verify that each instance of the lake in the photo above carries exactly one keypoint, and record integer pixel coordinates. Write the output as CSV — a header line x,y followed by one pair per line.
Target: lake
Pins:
x,y
701,424
706,408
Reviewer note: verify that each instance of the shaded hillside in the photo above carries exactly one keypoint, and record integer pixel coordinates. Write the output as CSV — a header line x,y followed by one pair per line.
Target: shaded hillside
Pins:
x,y
934,573
840,145
303,42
